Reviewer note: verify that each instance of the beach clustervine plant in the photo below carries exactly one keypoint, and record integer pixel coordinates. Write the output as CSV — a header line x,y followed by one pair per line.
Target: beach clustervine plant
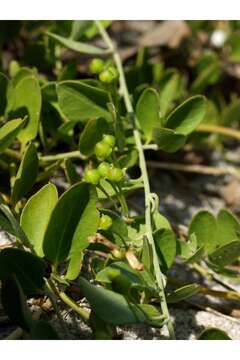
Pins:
x,y
87,248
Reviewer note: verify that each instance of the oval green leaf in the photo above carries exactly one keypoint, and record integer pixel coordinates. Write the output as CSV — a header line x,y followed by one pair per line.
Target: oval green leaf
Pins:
x,y
80,102
214,334
77,45
168,139
63,227
147,111
165,241
9,131
26,175
112,307
87,226
36,215
204,226
187,116
25,99
183,293
226,254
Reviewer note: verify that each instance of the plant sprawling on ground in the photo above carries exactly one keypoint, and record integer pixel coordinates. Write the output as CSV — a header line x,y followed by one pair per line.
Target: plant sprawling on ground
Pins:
x,y
83,245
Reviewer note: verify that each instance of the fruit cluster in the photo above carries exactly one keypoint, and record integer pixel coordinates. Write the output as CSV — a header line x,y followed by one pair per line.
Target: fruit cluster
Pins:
x,y
103,150
106,72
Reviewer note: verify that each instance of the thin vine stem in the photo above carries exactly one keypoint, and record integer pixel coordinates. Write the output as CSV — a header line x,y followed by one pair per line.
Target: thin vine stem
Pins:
x,y
142,163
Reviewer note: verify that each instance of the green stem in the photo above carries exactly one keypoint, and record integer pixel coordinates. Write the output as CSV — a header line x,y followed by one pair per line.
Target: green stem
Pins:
x,y
108,196
143,167
70,302
13,154
69,155
51,294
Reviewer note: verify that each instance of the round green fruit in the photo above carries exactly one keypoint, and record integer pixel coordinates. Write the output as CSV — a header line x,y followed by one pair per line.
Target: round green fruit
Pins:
x,y
96,66
102,150
92,176
109,75
115,174
105,222
104,168
109,139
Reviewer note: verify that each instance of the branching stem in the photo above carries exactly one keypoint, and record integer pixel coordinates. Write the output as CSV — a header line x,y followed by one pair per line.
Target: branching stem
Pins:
x,y
142,163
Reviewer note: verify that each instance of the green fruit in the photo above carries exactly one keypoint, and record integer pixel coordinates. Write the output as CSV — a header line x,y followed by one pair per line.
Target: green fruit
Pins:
x,y
102,150
105,222
104,168
109,75
115,174
118,254
92,176
96,66
109,139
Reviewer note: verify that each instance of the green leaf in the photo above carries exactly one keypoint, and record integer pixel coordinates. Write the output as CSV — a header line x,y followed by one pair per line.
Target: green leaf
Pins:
x,y
147,111
212,233
28,269
36,214
41,330
15,303
3,92
228,227
91,134
226,254
9,131
165,241
168,92
204,226
160,221
213,334
87,226
187,116
197,256
122,278
168,139
183,293
65,222
147,255
112,307
80,102
77,45
25,99
26,175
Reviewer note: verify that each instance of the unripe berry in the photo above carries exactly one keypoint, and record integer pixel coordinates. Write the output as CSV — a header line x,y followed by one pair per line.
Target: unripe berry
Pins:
x,y
115,174
92,176
102,150
118,254
105,222
109,139
104,168
96,66
109,75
